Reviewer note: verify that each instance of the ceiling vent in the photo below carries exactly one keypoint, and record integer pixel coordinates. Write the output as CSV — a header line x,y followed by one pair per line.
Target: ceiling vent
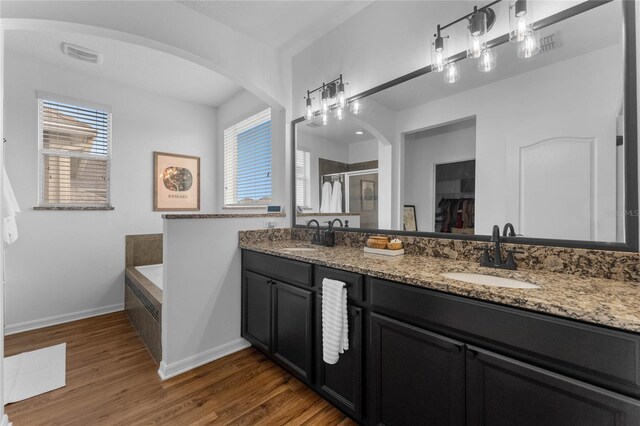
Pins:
x,y
81,53
549,42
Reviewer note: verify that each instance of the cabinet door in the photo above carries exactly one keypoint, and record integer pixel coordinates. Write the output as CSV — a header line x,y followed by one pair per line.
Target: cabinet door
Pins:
x,y
503,391
292,328
341,382
417,376
256,310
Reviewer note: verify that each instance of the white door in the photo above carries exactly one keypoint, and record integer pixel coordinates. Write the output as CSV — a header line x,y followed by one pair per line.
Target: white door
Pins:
x,y
562,180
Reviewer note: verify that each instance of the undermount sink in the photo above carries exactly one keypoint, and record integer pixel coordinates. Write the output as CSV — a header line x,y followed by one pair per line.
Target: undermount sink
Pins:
x,y
488,280
299,249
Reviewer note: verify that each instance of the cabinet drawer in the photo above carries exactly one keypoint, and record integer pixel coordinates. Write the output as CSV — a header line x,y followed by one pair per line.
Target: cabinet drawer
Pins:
x,y
354,282
290,271
599,355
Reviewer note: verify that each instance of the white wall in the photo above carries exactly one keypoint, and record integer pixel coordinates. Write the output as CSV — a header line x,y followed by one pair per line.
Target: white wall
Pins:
x,y
202,291
362,151
66,263
421,155
498,122
4,420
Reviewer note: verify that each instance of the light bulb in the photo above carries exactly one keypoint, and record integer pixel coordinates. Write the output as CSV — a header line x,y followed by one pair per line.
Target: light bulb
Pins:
x,y
355,107
487,61
477,34
342,99
520,19
325,118
325,101
438,54
529,46
309,113
451,73
339,113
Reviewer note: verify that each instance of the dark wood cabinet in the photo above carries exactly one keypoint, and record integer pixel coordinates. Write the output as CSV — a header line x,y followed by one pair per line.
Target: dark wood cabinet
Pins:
x,y
503,391
341,383
256,310
417,377
293,328
418,356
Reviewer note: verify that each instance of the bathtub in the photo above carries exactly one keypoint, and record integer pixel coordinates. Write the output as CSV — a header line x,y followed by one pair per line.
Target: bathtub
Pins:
x,y
153,273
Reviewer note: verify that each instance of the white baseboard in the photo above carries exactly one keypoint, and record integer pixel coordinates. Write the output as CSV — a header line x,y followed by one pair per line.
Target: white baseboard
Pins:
x,y
167,371
60,319
5,421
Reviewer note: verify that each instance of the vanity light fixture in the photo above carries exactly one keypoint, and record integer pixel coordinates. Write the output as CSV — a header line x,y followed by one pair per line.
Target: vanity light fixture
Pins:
x,y
355,107
477,34
487,61
333,95
529,46
520,19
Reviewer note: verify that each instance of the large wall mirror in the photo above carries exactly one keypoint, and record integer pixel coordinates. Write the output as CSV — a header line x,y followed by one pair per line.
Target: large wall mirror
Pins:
x,y
547,143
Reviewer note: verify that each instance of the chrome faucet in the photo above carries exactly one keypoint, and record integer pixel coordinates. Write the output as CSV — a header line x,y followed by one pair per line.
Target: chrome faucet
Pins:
x,y
497,262
317,240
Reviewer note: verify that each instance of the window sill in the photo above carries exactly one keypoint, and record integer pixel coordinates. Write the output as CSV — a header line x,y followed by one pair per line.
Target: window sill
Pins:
x,y
258,207
73,208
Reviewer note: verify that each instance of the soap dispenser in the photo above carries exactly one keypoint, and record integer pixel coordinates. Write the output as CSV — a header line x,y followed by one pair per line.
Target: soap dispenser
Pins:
x,y
329,235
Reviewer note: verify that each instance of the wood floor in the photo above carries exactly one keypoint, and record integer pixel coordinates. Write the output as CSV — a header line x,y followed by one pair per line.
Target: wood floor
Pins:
x,y
112,380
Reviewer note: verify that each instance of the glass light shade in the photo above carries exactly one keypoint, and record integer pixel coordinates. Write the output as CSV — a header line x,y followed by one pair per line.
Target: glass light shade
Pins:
x,y
451,73
529,46
308,110
325,101
342,96
355,107
477,34
438,54
488,60
520,19
340,112
325,118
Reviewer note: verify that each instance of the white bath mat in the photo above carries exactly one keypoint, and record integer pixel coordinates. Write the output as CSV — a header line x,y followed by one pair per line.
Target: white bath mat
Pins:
x,y
33,373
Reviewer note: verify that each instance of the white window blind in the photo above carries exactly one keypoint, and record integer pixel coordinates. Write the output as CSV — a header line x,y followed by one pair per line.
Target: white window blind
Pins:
x,y
75,149
247,161
303,178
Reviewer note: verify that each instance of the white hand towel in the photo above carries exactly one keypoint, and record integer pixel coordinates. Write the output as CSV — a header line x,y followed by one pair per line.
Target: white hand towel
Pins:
x,y
325,205
336,198
335,324
10,209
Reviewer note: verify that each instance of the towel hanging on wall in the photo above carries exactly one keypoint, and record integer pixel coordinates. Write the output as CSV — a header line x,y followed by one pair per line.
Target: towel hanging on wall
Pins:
x,y
10,209
336,198
325,205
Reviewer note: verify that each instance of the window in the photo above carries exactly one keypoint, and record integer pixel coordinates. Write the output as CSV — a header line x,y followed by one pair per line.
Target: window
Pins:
x,y
303,179
75,149
247,161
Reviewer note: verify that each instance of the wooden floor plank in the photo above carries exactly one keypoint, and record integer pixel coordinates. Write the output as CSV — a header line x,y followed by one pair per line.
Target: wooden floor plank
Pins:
x,y
112,380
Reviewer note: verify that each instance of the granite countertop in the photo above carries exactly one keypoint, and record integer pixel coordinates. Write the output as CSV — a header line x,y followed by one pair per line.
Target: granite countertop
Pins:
x,y
600,301
222,215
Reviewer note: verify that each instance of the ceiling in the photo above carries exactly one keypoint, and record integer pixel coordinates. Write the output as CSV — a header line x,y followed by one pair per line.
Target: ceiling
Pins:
x,y
289,26
129,64
338,131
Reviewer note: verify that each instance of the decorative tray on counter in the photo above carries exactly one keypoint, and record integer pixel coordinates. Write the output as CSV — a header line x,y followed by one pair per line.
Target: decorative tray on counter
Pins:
x,y
385,252
382,245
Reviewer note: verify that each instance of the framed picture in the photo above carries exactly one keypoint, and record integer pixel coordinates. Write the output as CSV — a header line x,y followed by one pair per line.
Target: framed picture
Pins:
x,y
176,182
410,223
367,195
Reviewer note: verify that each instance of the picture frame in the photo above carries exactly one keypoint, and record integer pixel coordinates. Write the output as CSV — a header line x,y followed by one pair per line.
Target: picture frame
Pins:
x,y
409,215
176,182
367,195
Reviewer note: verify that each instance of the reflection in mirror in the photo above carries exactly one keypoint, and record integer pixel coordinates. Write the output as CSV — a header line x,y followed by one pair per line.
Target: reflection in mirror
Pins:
x,y
536,142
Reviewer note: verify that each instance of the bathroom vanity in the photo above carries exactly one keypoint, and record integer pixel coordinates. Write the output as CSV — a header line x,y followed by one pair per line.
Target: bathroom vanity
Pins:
x,y
425,349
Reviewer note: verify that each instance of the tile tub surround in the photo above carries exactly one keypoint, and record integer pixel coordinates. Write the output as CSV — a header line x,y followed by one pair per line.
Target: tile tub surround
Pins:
x,y
621,266
600,301
143,305
144,249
